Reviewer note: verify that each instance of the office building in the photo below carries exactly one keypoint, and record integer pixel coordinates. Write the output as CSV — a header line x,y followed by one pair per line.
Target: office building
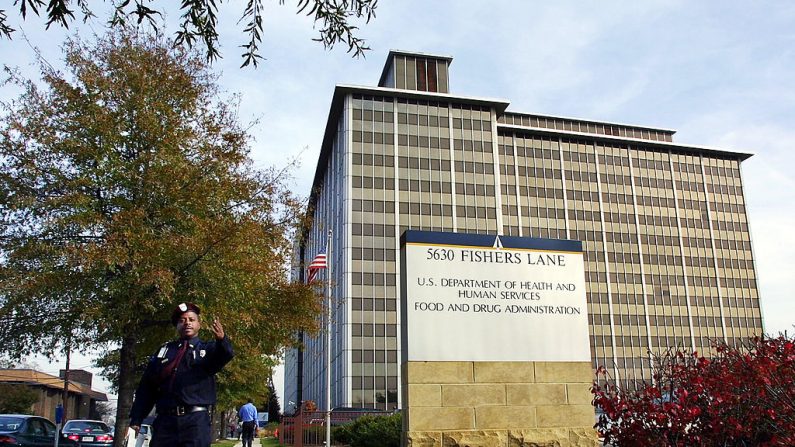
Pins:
x,y
664,225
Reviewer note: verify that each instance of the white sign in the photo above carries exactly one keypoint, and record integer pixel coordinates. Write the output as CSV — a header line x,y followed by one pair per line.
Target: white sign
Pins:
x,y
494,302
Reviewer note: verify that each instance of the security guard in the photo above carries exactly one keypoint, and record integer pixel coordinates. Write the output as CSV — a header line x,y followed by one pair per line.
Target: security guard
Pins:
x,y
180,383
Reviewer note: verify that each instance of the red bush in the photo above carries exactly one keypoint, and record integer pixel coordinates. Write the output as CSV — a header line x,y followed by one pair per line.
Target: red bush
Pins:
x,y
741,397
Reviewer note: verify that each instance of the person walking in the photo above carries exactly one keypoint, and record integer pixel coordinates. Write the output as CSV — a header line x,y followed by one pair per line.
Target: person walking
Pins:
x,y
248,414
179,382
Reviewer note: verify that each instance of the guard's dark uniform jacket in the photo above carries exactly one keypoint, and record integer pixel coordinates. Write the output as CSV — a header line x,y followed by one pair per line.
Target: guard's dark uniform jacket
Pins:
x,y
182,393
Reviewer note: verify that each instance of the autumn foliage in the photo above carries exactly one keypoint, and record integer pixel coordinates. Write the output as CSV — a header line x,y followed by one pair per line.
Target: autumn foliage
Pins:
x,y
740,397
126,187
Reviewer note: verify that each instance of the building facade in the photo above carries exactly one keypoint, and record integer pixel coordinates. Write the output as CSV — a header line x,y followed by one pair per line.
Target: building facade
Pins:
x,y
664,225
81,400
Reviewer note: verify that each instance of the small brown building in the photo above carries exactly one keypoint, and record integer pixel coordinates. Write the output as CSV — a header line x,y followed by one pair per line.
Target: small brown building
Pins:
x,y
81,401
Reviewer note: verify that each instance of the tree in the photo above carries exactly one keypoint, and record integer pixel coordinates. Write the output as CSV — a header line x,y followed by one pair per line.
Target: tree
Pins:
x,y
273,408
103,411
126,188
741,397
199,20
16,398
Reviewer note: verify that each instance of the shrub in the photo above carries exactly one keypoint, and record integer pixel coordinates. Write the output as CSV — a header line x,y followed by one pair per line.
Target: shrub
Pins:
x,y
368,431
741,397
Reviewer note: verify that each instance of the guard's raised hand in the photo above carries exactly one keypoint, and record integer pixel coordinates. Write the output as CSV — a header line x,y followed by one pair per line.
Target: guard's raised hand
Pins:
x,y
218,329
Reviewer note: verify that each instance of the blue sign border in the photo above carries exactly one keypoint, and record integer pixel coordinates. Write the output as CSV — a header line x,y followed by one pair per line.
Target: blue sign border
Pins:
x,y
487,240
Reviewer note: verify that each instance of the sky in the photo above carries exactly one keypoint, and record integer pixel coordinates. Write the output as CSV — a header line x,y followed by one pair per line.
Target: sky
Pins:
x,y
720,73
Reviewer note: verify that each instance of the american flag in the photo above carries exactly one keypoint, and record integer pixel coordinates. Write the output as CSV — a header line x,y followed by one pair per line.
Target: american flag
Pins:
x,y
316,265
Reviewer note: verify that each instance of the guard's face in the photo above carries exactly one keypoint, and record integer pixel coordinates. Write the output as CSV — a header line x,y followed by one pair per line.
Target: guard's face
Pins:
x,y
188,325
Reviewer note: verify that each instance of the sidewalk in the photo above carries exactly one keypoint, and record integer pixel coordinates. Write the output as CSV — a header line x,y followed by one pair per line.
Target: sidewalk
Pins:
x,y
255,443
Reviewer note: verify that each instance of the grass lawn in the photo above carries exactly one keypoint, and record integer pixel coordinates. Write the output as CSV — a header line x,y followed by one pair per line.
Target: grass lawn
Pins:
x,y
270,441
225,443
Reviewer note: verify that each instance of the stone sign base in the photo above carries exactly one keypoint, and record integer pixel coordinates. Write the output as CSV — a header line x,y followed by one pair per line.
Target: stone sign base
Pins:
x,y
490,404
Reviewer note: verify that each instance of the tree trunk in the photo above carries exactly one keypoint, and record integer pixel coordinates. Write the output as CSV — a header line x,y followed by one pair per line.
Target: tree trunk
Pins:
x,y
126,387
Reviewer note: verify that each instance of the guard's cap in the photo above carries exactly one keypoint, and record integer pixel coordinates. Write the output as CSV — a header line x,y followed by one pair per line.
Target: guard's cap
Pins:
x,y
181,309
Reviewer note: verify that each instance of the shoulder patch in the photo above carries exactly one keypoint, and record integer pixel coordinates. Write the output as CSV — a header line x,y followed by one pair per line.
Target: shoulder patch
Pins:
x,y
162,352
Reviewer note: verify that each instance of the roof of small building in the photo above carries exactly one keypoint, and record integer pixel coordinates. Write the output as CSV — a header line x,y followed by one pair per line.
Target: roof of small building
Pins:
x,y
38,378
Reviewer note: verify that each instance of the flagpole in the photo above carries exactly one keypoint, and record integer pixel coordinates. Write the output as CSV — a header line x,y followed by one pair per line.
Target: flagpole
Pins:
x,y
328,340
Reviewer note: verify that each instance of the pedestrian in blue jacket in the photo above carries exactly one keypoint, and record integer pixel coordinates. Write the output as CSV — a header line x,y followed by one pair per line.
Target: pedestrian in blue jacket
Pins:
x,y
248,414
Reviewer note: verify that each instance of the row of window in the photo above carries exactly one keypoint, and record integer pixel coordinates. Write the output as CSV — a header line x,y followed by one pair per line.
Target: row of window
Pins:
x,y
373,279
725,207
381,230
680,341
741,302
576,215
367,182
700,224
699,261
426,209
424,186
584,127
658,297
376,206
423,141
735,190
531,171
358,159
609,160
373,254
734,244
529,191
441,121
539,172
474,167
471,124
472,145
662,279
378,116
532,191
738,283
696,242
722,171
369,304
478,212
701,281
424,163
579,195
414,119
367,102
359,382
730,225
372,137
414,105
370,330
582,157
554,213
531,154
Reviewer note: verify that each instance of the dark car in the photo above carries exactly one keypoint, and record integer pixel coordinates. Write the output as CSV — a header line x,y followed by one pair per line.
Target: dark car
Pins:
x,y
22,430
87,433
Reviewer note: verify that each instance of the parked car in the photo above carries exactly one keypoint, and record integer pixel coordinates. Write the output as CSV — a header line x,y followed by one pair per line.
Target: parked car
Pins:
x,y
87,433
23,430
